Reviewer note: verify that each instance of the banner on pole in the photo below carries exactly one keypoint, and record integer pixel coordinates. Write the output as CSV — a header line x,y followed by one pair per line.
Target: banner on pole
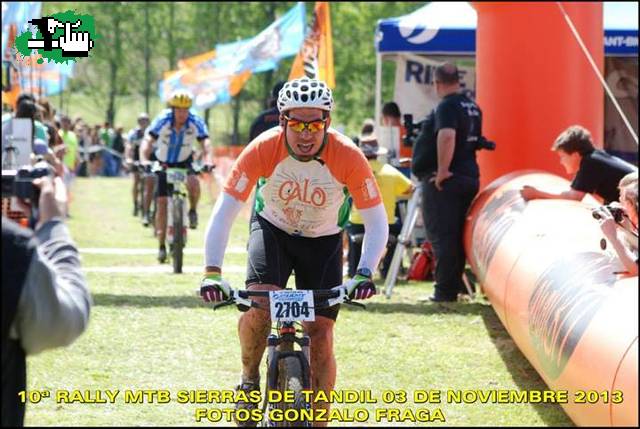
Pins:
x,y
216,76
415,90
315,58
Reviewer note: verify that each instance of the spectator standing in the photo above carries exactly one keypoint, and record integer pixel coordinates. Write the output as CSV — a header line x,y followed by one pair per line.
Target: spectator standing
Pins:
x,y
393,185
391,117
450,180
117,145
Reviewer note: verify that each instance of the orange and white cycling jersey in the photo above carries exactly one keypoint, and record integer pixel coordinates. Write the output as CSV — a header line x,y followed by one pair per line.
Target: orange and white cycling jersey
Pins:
x,y
310,199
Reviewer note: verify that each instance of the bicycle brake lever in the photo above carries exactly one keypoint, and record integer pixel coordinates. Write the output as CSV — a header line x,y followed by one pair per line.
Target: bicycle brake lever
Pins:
x,y
245,308
222,304
241,301
355,303
242,308
339,299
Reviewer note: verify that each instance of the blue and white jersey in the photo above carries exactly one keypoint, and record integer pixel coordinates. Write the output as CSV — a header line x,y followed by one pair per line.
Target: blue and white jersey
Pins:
x,y
176,146
135,136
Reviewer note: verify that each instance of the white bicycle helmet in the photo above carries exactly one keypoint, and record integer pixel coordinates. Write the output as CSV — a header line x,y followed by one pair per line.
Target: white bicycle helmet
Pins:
x,y
305,92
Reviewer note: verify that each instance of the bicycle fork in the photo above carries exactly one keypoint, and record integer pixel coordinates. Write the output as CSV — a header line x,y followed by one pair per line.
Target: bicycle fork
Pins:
x,y
275,354
175,208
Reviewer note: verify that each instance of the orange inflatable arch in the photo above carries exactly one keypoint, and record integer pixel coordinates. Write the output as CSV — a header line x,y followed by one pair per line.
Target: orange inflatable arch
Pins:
x,y
566,303
562,298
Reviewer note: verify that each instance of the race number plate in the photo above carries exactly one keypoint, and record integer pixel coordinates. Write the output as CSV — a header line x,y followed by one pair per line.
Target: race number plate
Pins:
x,y
292,305
176,176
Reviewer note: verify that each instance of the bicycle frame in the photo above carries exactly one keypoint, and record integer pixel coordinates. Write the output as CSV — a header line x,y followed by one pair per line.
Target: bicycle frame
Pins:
x,y
281,346
280,349
177,177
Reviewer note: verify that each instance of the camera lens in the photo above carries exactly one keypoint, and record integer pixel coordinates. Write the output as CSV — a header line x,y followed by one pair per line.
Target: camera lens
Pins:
x,y
617,214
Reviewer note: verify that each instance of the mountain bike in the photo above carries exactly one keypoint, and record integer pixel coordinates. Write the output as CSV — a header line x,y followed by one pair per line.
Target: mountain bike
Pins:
x,y
288,369
177,210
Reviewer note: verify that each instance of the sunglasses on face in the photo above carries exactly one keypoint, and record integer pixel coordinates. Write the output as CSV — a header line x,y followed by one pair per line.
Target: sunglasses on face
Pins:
x,y
299,126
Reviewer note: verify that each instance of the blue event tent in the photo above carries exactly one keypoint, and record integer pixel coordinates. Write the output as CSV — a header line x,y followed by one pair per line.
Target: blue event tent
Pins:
x,y
444,28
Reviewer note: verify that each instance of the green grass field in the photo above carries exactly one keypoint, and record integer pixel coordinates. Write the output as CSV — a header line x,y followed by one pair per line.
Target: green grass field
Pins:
x,y
148,331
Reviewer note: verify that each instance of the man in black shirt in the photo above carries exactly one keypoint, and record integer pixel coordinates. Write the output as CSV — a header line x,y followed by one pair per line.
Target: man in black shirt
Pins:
x,y
450,177
595,171
269,118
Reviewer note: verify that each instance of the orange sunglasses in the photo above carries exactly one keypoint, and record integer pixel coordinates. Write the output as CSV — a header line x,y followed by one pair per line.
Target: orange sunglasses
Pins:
x,y
299,126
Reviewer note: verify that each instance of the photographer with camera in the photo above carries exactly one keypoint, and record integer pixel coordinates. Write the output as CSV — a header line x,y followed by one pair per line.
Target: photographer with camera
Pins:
x,y
444,158
625,215
28,109
595,171
45,298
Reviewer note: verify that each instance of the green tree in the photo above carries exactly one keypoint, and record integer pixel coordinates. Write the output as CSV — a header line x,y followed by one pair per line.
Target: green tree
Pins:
x,y
126,66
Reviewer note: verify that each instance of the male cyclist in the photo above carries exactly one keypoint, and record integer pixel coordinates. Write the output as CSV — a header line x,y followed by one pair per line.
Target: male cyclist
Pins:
x,y
307,174
174,132
132,153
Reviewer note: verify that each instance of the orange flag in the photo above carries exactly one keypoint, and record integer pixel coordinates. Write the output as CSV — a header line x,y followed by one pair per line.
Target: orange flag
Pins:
x,y
315,58
191,62
11,97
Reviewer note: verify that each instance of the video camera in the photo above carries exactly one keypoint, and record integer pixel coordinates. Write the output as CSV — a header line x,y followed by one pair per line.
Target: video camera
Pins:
x,y
19,183
483,143
413,131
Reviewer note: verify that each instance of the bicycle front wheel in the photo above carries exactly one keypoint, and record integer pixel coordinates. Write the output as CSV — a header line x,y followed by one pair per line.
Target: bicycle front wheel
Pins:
x,y
140,202
178,236
291,378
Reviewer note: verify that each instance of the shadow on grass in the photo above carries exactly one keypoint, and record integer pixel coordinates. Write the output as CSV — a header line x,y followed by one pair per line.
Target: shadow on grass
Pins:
x,y
422,308
523,373
144,301
182,301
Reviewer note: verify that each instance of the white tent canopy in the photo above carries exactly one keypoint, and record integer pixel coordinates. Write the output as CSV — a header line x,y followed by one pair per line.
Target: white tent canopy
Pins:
x,y
444,28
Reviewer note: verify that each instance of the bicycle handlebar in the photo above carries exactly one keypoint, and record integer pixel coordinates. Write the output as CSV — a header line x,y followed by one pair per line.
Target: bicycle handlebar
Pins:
x,y
156,166
326,297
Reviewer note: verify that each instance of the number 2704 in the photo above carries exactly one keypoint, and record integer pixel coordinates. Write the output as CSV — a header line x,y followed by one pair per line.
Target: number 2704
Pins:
x,y
291,309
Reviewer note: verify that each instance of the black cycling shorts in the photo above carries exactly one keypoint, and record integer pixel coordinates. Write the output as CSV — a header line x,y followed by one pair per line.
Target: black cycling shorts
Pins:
x,y
164,189
274,254
135,148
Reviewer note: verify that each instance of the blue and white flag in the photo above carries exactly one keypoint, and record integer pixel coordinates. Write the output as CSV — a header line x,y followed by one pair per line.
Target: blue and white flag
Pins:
x,y
48,78
281,39
216,80
17,13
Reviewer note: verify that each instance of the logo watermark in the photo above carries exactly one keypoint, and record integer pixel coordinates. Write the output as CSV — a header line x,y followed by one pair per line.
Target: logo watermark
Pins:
x,y
61,37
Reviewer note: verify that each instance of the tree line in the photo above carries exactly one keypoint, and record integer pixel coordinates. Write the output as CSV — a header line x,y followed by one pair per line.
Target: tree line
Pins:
x,y
142,40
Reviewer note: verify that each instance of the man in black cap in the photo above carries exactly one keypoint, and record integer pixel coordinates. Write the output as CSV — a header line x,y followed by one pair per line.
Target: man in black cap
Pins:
x,y
268,118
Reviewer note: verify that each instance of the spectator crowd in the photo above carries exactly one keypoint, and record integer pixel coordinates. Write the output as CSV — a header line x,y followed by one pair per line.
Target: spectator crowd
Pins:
x,y
86,150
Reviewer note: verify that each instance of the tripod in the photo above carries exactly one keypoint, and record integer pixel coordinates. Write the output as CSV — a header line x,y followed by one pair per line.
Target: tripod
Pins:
x,y
404,240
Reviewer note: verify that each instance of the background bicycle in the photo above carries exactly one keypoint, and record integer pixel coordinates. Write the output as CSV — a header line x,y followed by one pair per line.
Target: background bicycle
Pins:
x,y
176,231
